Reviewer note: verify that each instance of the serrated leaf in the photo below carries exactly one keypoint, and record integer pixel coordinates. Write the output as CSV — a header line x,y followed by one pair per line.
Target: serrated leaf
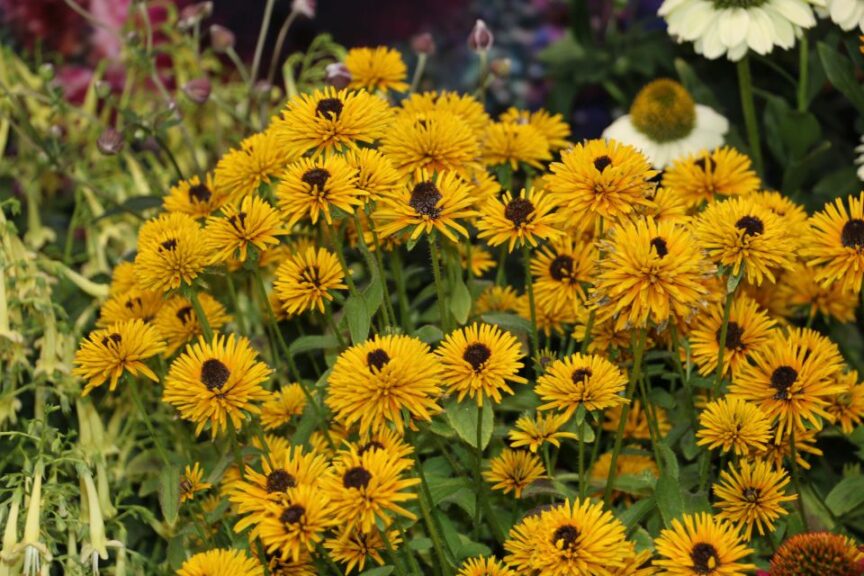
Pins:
x,y
463,417
358,317
169,494
460,300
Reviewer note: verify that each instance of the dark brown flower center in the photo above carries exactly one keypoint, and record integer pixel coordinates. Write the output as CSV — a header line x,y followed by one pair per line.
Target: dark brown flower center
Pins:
x,y
292,515
357,477
706,164
238,221
561,267
734,332
199,193
214,374
601,162
580,375
377,359
751,495
280,481
115,338
751,225
518,210
329,108
659,244
316,177
705,558
184,314
476,355
567,535
781,380
852,235
424,199
170,244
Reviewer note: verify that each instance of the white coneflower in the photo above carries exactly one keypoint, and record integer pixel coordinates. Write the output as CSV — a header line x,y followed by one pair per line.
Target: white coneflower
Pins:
x,y
732,27
845,13
665,124
860,159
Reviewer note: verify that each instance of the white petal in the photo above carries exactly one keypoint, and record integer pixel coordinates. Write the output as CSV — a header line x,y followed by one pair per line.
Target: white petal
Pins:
x,y
691,22
733,26
670,5
737,52
707,120
861,172
761,34
795,11
711,45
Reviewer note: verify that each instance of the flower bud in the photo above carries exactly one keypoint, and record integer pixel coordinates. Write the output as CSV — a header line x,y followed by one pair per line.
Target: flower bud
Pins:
x,y
103,89
197,90
110,142
194,13
481,38
500,67
222,39
423,44
46,71
305,7
337,75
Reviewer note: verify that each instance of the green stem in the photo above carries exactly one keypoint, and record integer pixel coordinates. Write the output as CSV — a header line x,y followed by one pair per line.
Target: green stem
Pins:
x,y
803,71
589,326
328,319
280,41
529,286
439,283
238,315
478,473
653,426
145,415
259,45
394,558
202,317
745,84
501,273
340,255
418,72
721,349
635,372
796,478
401,292
377,262
426,503
583,481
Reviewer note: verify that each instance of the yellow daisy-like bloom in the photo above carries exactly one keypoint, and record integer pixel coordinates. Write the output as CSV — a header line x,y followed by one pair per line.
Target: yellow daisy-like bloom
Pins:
x,y
650,272
124,278
779,451
740,234
794,214
305,280
294,528
847,407
380,381
480,361
577,380
577,538
221,562
732,424
561,270
506,143
552,126
625,465
520,220
304,566
195,198
752,495
378,68
497,299
353,548
802,291
817,554
331,121
605,336
552,316
835,245
481,260
700,545
668,206
514,470
108,353
368,488
748,330
282,406
433,202
311,187
433,141
702,177
636,564
636,426
178,323
132,304
487,187
600,178
536,431
286,468
376,176
171,252
216,381
464,106
484,567
251,222
385,439
192,482
791,379
258,160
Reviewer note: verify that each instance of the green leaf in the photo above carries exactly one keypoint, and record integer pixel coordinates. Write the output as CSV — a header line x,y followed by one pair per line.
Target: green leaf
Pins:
x,y
429,333
841,73
640,509
169,493
463,417
846,496
507,321
668,495
310,343
380,571
460,301
133,205
359,319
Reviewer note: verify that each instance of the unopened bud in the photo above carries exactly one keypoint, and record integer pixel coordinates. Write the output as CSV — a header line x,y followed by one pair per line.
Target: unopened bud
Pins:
x,y
195,13
305,7
103,89
197,90
110,142
263,87
423,44
57,131
337,75
500,67
221,38
481,38
46,72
